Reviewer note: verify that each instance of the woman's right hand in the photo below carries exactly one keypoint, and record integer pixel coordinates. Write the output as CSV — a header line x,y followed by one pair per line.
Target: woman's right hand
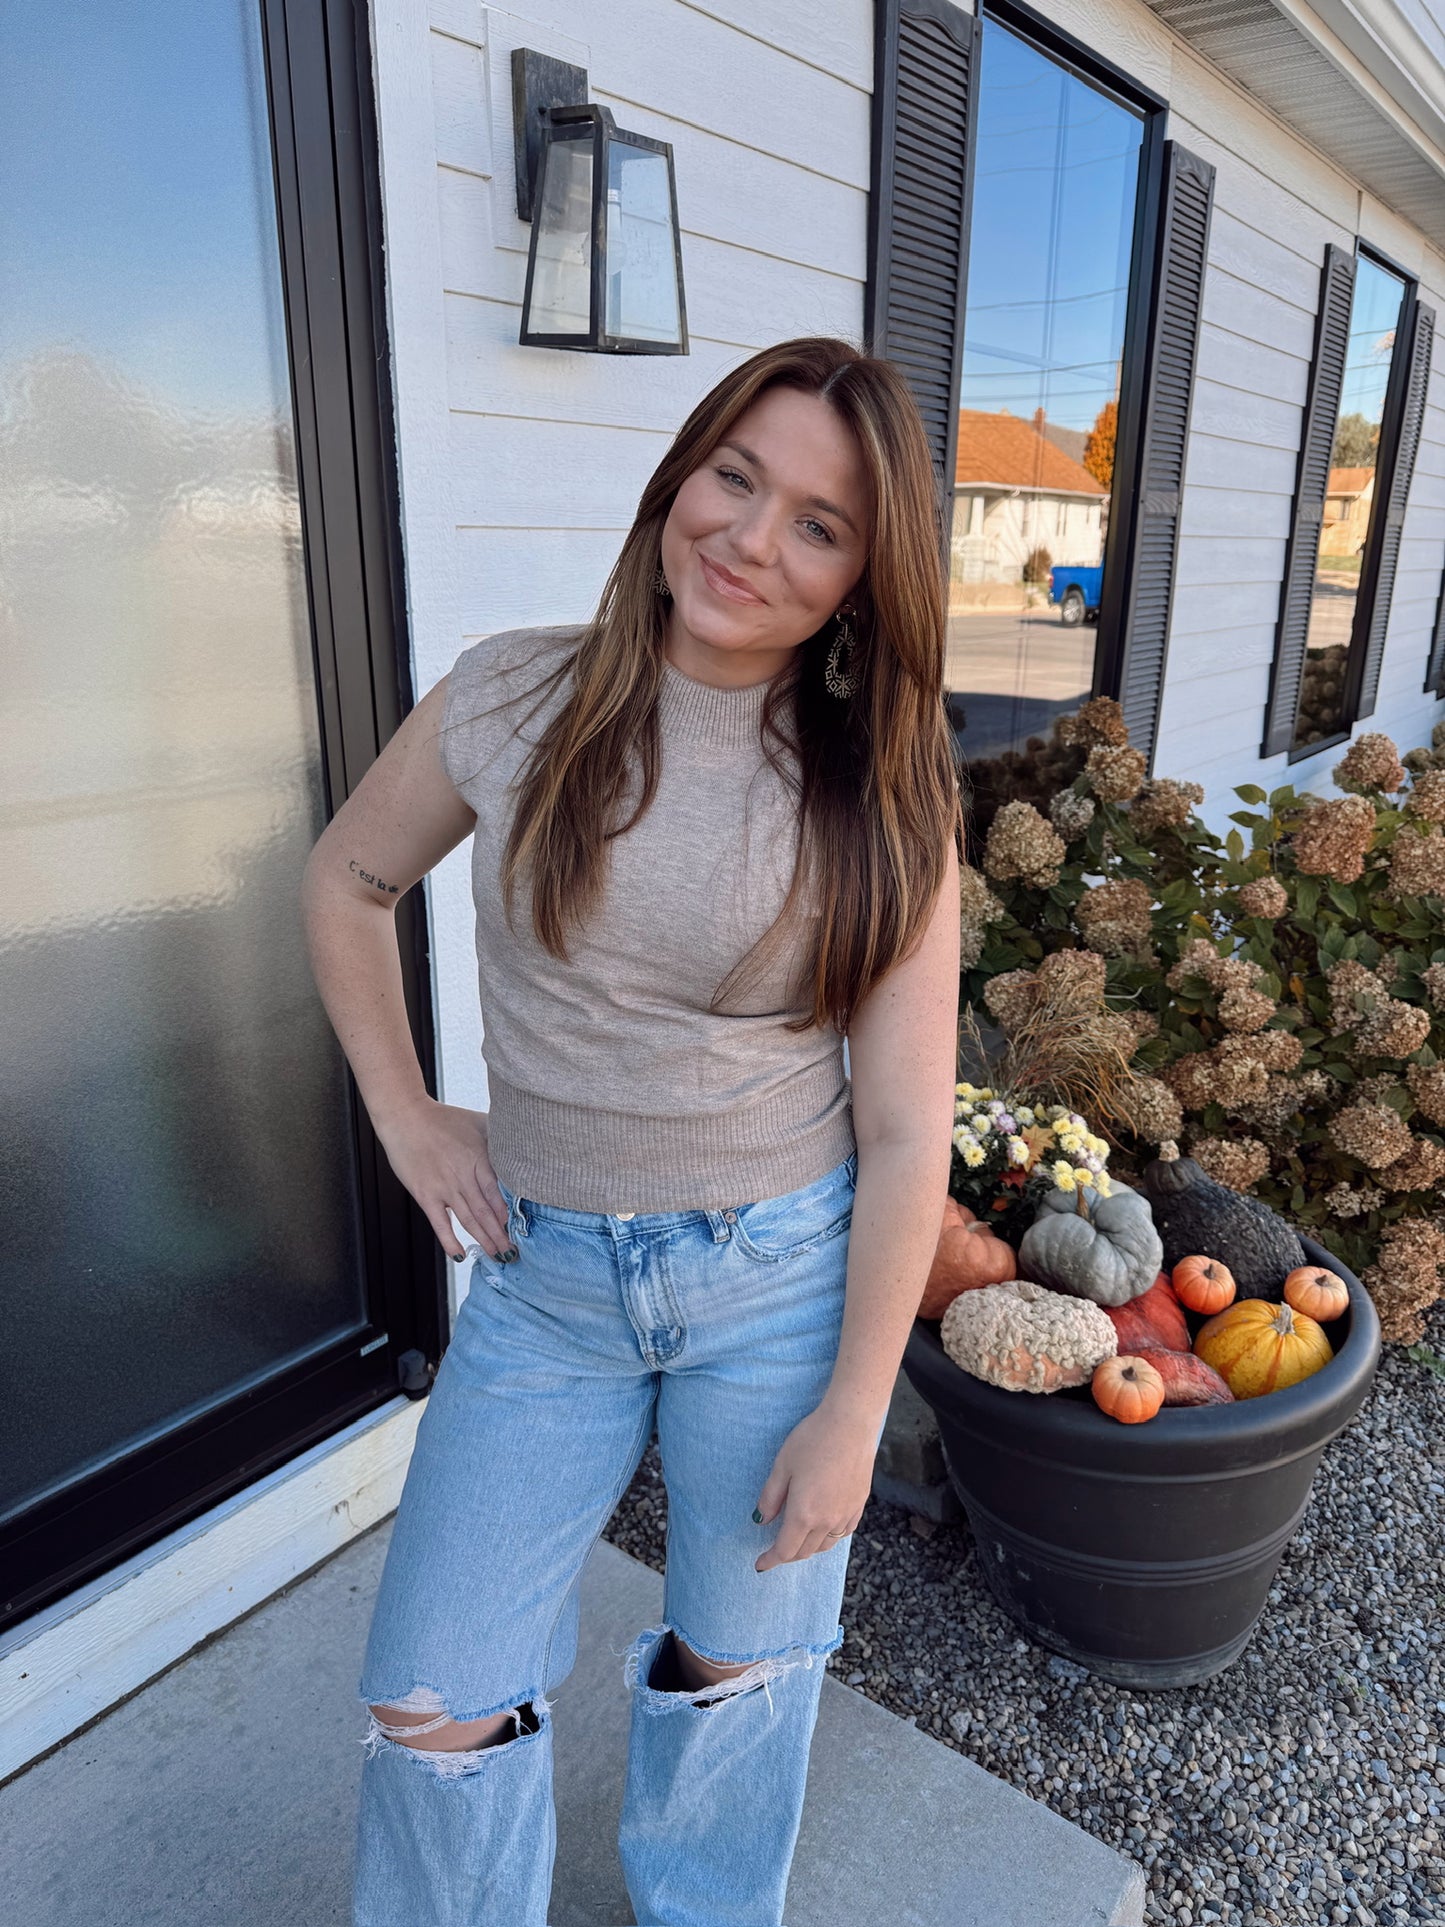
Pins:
x,y
439,1152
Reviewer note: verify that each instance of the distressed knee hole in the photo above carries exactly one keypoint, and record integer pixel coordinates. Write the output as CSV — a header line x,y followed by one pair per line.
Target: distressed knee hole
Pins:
x,y
650,1673
450,1749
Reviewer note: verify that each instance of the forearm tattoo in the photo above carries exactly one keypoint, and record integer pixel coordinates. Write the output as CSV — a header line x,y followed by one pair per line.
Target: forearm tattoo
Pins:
x,y
388,889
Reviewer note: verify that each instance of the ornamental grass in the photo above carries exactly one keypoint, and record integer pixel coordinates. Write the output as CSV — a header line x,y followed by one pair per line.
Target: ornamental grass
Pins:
x,y
1273,997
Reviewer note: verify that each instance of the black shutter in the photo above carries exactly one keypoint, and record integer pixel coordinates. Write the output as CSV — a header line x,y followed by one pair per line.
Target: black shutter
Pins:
x,y
925,61
1418,345
1437,647
1178,288
1322,411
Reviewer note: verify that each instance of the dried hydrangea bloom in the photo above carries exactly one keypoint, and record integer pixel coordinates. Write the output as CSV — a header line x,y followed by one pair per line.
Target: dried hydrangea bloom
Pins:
x,y
1245,1010
1277,1050
1010,997
1143,1023
1393,1029
1116,772
1098,721
1265,897
1343,1201
1417,864
1421,1168
1274,1113
1427,796
1334,837
1231,1073
1416,760
1198,958
1071,814
1371,1133
1151,1110
1374,1090
1427,1087
1107,1031
1238,1162
1405,1279
1353,991
1385,968
977,908
1370,763
1113,918
1164,805
1432,981
1022,844
1073,977
1437,736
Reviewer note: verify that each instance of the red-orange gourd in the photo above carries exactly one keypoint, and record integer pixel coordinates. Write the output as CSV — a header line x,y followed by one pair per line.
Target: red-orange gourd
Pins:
x,y
1203,1284
969,1256
1128,1389
1257,1347
1155,1319
1318,1293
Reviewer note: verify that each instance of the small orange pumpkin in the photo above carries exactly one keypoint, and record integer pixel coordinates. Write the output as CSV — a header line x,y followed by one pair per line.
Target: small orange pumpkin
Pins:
x,y
1128,1389
1203,1284
969,1255
1257,1347
1318,1293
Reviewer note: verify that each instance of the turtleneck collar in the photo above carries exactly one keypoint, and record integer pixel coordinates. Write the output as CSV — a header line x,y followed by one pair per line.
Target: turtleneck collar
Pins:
x,y
703,712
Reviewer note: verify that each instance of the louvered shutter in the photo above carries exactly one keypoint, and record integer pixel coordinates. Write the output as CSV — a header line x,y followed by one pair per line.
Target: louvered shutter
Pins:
x,y
1437,649
1144,597
1322,410
926,58
1412,415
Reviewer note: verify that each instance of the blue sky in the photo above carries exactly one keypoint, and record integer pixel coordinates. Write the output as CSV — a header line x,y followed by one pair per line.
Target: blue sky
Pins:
x,y
1055,179
137,220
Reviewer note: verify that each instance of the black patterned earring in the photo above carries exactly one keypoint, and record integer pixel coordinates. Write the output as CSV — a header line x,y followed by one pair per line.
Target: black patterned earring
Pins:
x,y
659,582
840,678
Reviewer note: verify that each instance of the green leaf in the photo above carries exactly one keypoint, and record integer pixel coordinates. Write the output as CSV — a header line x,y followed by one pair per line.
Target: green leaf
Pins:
x,y
1234,843
1343,898
1307,896
1249,793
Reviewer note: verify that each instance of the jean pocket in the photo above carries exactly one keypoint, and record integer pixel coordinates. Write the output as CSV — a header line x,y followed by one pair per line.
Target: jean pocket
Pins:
x,y
775,1229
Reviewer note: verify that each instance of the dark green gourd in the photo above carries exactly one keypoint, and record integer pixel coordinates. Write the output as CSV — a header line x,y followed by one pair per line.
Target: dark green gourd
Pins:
x,y
1195,1215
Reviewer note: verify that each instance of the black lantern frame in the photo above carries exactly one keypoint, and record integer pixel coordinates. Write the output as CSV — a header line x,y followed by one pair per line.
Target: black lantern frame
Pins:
x,y
592,125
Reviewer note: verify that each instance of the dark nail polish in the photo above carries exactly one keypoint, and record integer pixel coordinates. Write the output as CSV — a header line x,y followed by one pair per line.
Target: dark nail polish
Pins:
x,y
500,1256
512,1253
757,1516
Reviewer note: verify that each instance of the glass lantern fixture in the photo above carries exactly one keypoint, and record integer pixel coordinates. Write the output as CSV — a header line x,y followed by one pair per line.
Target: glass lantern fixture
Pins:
x,y
604,269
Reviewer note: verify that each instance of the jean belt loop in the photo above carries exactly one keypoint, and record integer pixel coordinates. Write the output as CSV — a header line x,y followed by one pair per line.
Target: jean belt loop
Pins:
x,y
721,1229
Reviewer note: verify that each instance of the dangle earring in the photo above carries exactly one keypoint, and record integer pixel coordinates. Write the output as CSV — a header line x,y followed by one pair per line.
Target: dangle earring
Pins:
x,y
660,582
841,678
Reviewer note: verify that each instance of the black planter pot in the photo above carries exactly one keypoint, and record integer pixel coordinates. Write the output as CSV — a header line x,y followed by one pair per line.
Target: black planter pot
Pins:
x,y
1143,1552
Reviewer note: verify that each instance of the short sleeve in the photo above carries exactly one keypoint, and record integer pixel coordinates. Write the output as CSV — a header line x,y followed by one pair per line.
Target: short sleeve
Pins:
x,y
479,714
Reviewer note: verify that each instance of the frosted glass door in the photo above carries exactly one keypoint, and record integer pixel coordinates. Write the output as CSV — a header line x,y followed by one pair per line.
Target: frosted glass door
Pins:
x,y
178,1178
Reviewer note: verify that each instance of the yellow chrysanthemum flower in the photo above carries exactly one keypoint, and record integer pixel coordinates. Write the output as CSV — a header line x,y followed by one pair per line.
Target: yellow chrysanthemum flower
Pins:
x,y
1064,1178
973,1154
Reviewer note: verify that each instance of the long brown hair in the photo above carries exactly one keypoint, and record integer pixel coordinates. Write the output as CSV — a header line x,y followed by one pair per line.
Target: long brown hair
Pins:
x,y
874,775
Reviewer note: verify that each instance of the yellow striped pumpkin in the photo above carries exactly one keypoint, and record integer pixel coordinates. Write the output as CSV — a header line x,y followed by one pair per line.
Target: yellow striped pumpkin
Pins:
x,y
1257,1347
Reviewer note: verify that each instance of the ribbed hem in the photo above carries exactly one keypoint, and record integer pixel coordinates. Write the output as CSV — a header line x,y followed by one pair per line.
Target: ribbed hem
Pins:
x,y
702,712
592,1160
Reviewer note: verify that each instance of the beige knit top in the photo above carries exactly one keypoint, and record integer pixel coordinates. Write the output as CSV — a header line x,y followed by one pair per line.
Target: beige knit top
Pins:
x,y
614,1086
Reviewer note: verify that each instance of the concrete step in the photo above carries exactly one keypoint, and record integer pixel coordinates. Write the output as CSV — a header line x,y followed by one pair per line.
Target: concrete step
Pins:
x,y
223,1794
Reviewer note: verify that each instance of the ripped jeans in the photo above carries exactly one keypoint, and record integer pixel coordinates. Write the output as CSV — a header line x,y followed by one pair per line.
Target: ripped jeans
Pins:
x,y
719,1327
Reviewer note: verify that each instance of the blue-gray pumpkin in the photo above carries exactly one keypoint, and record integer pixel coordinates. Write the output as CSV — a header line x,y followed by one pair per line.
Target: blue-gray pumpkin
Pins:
x,y
1104,1249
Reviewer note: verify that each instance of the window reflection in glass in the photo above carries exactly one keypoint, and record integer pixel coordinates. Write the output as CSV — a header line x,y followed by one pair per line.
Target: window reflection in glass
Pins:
x,y
1055,182
1325,692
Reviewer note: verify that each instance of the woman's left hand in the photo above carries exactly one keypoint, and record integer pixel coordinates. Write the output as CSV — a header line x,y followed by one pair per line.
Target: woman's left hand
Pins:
x,y
820,1482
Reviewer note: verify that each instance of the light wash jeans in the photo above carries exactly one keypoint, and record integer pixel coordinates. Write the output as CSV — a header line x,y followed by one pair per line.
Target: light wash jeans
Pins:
x,y
721,1328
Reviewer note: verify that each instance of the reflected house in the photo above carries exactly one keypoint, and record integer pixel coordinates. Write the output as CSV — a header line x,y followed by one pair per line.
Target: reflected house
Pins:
x,y
1017,490
1347,510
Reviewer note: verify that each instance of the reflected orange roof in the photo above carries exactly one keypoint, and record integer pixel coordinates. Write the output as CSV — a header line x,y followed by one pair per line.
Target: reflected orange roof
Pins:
x,y
1006,450
1349,481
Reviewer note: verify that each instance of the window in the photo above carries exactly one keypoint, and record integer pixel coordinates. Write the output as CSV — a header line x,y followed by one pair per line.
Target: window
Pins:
x,y
1036,263
1051,245
1362,421
1350,502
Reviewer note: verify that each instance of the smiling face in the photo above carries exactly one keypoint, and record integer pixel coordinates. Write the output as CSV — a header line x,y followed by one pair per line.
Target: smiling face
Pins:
x,y
766,540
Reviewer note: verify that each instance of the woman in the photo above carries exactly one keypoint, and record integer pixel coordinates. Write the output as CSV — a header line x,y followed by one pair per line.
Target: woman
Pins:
x,y
715,831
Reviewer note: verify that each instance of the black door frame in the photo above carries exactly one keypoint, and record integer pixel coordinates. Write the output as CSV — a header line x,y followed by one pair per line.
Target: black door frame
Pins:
x,y
328,202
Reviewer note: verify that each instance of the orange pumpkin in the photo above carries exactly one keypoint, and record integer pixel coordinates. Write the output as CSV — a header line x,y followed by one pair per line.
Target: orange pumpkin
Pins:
x,y
1128,1389
1203,1284
1257,1347
1319,1294
1154,1319
969,1255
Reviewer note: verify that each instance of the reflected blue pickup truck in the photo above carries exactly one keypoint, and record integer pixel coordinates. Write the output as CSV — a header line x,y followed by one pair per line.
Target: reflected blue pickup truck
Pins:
x,y
1077,592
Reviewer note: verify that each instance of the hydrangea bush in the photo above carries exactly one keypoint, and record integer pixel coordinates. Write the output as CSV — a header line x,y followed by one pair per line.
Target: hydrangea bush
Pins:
x,y
1277,993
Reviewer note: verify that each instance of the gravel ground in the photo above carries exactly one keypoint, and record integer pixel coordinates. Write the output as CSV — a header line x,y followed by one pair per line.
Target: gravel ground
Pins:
x,y
1302,1787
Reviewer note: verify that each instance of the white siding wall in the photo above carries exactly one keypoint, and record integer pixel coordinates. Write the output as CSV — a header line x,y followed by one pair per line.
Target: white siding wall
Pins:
x,y
521,467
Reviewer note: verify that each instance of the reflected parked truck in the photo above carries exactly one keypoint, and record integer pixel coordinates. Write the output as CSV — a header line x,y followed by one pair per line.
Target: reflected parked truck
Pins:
x,y
1077,592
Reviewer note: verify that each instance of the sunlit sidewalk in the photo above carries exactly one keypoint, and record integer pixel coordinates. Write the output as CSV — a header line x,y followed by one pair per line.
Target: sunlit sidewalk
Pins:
x,y
223,1794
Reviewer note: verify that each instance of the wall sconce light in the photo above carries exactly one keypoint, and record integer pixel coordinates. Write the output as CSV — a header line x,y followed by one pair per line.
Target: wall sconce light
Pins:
x,y
604,269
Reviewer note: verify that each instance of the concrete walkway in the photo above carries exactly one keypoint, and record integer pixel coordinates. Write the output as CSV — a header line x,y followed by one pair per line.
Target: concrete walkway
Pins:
x,y
223,1794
